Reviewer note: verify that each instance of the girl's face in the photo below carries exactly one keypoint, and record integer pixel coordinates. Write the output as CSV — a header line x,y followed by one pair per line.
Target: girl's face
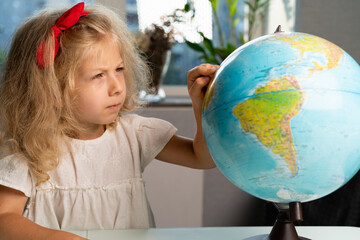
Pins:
x,y
100,88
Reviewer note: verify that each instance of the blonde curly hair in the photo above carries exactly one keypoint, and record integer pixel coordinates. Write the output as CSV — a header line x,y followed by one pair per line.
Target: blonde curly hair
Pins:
x,y
36,113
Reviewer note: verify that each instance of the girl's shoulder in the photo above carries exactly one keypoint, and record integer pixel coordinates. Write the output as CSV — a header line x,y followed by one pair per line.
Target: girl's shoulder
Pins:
x,y
13,163
138,122
130,117
131,120
13,159
15,173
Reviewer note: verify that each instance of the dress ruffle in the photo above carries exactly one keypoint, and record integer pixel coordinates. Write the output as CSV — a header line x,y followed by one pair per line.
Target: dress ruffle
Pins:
x,y
97,207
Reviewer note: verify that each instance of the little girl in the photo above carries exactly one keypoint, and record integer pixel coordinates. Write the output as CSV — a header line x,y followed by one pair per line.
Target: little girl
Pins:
x,y
73,155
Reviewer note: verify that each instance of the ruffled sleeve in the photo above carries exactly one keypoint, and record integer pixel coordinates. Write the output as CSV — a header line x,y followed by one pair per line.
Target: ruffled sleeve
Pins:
x,y
153,134
15,174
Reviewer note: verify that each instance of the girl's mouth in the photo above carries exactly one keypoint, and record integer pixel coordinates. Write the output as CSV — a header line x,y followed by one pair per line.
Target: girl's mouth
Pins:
x,y
114,106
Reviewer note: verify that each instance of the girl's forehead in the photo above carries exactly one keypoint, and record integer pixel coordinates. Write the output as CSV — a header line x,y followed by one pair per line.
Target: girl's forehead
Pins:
x,y
106,43
104,52
99,48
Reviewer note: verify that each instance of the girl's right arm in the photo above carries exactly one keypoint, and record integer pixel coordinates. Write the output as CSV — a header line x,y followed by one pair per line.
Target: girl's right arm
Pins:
x,y
14,226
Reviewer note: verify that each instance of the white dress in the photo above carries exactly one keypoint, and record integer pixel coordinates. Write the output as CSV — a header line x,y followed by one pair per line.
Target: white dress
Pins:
x,y
97,186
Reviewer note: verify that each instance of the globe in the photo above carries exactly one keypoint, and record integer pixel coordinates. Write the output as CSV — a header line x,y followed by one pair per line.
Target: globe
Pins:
x,y
281,117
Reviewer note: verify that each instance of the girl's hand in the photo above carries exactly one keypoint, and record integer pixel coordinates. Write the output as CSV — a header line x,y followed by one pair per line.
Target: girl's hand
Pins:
x,y
198,79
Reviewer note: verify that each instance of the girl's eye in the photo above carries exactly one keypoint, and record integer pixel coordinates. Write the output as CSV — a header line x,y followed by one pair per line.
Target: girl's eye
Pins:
x,y
97,76
119,69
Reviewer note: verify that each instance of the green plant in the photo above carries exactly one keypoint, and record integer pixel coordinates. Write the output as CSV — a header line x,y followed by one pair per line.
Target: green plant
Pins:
x,y
216,54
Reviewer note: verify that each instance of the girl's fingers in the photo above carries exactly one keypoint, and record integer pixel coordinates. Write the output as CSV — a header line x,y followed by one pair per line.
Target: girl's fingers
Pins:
x,y
203,71
199,84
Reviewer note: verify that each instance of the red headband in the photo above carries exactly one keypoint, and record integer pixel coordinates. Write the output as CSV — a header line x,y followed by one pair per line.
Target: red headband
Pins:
x,y
67,20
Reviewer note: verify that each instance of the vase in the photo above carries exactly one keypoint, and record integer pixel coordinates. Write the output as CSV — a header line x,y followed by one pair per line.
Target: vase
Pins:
x,y
158,63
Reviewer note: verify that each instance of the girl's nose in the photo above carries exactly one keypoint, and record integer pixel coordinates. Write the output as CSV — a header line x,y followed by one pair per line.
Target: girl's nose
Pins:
x,y
115,85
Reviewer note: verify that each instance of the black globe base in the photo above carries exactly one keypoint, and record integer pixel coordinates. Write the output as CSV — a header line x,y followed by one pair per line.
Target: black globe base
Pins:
x,y
285,231
284,228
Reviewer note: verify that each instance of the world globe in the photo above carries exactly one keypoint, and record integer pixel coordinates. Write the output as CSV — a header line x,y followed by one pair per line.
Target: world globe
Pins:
x,y
281,117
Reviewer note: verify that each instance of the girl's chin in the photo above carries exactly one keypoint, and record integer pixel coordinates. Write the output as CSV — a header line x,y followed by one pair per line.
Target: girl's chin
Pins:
x,y
112,122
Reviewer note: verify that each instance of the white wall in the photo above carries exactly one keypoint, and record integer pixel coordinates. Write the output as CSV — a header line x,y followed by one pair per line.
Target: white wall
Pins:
x,y
335,20
281,12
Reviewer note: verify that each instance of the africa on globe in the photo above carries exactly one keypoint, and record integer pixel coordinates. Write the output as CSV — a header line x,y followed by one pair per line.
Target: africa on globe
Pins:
x,y
281,117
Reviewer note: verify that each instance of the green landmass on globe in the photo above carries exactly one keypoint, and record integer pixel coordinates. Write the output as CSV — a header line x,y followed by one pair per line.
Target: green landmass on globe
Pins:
x,y
270,120
274,112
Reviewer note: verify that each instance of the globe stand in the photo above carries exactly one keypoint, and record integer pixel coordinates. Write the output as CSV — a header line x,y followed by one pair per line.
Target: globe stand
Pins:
x,y
284,228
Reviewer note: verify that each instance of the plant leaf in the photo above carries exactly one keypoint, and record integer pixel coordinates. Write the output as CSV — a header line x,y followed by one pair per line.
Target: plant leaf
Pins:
x,y
251,7
214,4
263,2
232,7
211,60
229,49
209,46
242,38
187,7
235,22
224,52
195,46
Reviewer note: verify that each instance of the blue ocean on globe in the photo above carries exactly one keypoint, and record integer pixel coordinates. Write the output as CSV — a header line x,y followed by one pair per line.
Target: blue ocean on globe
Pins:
x,y
281,117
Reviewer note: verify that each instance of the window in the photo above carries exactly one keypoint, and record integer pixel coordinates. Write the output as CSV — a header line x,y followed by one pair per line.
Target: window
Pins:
x,y
14,12
142,13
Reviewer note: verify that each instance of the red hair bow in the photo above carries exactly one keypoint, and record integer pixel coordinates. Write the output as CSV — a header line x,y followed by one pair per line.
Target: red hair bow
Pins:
x,y
67,20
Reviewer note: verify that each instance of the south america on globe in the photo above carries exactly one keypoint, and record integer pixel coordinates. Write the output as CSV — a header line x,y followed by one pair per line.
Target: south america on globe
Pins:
x,y
281,117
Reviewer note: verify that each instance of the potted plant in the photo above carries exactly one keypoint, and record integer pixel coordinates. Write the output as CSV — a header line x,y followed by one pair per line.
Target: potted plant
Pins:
x,y
211,53
155,45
